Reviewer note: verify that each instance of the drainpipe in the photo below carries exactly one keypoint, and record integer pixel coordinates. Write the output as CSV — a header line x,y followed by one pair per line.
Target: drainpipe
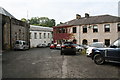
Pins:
x,y
79,34
10,33
1,33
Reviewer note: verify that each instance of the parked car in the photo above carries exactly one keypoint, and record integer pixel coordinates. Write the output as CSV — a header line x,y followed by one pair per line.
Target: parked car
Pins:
x,y
41,45
53,46
79,48
21,45
68,48
85,46
48,44
94,45
100,55
58,46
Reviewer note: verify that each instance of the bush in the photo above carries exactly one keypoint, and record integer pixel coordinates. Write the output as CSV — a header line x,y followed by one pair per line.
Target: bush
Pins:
x,y
83,51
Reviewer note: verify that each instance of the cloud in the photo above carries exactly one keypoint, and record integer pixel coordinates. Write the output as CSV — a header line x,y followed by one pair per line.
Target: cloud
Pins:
x,y
60,10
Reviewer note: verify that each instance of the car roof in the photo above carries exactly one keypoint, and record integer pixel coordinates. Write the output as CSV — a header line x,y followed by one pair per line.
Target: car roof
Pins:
x,y
20,40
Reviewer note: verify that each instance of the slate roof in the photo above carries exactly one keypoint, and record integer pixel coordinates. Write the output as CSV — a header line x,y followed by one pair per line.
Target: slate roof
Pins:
x,y
40,28
6,13
92,20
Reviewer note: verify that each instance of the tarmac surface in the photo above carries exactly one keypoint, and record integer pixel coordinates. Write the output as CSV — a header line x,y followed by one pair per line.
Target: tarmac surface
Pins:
x,y
48,63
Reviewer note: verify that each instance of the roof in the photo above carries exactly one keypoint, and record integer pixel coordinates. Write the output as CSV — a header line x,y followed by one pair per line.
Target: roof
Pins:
x,y
93,20
6,13
40,28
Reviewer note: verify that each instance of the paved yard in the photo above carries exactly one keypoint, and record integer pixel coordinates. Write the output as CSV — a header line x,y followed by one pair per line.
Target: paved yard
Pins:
x,y
48,63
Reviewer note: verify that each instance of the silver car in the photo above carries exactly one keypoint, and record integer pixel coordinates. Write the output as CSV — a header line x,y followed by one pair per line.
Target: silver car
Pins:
x,y
21,45
79,48
41,45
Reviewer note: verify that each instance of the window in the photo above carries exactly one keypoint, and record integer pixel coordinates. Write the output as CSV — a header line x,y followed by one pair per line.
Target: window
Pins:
x,y
107,28
60,30
35,35
95,28
84,29
48,35
40,36
118,27
84,42
44,35
23,36
74,30
107,42
16,35
64,30
95,40
19,33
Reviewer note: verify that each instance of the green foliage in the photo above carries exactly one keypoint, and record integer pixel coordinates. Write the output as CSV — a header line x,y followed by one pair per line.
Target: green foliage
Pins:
x,y
42,21
59,24
83,51
24,20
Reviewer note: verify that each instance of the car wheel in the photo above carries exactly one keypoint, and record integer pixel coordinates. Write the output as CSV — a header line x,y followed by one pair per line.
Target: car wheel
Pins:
x,y
24,49
75,53
98,59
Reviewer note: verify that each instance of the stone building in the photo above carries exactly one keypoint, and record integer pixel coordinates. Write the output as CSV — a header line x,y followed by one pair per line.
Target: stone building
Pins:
x,y
89,29
12,30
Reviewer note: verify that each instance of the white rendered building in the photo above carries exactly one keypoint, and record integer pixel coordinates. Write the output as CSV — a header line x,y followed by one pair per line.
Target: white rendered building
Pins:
x,y
40,35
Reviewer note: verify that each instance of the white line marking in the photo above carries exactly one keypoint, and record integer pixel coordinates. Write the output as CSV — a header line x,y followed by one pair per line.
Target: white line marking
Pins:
x,y
64,68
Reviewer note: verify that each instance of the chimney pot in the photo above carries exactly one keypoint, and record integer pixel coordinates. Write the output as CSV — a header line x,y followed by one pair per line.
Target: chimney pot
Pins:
x,y
86,15
78,16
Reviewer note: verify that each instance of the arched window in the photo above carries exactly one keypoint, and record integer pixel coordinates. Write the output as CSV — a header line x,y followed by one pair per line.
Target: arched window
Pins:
x,y
84,42
74,41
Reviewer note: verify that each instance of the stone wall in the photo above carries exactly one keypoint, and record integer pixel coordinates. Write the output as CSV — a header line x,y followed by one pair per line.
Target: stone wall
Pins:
x,y
13,30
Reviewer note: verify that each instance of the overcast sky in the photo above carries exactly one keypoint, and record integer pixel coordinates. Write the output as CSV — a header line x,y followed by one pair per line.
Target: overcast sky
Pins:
x,y
60,10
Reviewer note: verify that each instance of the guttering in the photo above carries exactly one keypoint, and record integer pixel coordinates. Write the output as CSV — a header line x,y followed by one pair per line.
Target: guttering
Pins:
x,y
62,26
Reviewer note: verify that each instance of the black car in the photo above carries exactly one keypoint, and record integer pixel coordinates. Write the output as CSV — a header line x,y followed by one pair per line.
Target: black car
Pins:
x,y
68,48
112,53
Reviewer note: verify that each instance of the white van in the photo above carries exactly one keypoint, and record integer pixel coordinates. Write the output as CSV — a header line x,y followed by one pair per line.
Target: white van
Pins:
x,y
21,45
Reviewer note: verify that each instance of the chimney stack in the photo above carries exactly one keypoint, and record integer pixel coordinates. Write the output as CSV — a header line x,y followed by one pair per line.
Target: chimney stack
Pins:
x,y
78,16
86,15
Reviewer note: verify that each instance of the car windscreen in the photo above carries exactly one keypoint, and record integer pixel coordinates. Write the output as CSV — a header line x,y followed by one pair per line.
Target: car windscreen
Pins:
x,y
117,43
18,42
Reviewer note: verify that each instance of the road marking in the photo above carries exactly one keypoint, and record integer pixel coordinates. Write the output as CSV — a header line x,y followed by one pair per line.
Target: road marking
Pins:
x,y
53,50
38,61
64,67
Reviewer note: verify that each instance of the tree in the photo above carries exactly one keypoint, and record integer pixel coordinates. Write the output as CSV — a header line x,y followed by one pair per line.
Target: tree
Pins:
x,y
42,21
24,20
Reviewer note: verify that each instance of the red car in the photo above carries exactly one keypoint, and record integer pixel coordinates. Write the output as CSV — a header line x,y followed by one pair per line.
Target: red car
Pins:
x,y
52,46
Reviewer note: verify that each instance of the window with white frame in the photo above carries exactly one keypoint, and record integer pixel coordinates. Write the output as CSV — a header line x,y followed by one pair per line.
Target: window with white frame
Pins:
x,y
95,40
48,35
107,42
84,29
44,35
35,35
95,28
118,27
40,35
74,29
107,27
